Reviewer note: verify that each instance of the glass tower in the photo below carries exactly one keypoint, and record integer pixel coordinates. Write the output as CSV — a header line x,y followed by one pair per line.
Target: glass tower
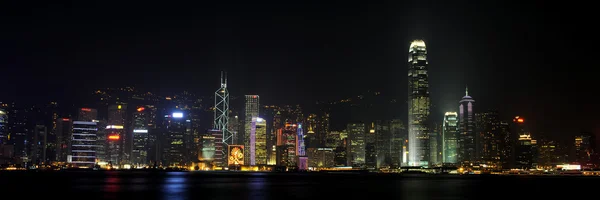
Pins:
x,y
450,137
466,127
418,105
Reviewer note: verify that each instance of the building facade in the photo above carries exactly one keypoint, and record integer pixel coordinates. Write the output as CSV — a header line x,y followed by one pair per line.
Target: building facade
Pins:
x,y
418,104
467,141
450,139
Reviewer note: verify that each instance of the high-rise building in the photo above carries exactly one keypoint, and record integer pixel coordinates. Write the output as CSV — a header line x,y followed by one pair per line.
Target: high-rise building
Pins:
x,y
418,104
114,144
139,151
549,155
492,136
207,149
116,124
399,136
87,114
356,138
524,152
63,138
251,110
450,137
286,145
83,145
435,145
219,158
39,144
323,129
371,147
3,127
174,151
585,148
222,112
517,129
257,142
467,140
383,144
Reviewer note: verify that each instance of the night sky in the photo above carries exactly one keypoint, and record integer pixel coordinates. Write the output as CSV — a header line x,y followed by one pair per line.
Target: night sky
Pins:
x,y
529,59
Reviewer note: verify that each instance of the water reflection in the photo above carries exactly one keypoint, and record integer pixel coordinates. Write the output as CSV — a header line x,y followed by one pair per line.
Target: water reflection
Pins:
x,y
174,187
257,187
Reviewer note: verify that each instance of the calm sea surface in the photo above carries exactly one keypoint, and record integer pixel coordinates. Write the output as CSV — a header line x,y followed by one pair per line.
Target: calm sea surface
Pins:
x,y
255,186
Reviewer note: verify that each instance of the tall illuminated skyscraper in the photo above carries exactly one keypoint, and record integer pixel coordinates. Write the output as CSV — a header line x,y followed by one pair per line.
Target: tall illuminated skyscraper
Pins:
x,y
222,111
467,151
450,138
418,105
251,112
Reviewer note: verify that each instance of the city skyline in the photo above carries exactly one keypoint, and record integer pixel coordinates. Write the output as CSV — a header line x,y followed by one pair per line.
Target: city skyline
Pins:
x,y
501,68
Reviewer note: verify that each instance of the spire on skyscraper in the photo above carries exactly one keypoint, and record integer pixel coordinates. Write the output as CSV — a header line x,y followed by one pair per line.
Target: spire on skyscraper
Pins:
x,y
466,90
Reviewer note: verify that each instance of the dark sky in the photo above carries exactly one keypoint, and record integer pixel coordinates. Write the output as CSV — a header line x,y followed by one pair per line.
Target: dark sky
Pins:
x,y
531,59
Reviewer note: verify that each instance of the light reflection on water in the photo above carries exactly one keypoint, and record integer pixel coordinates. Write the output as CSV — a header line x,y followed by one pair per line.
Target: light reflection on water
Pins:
x,y
256,187
174,187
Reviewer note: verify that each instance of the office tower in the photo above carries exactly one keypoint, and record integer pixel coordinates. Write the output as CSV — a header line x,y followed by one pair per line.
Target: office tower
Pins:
x,y
207,148
467,152
257,142
220,158
83,145
435,145
323,129
491,137
116,125
549,154
450,136
101,141
301,148
356,139
39,144
371,147
87,114
3,127
524,152
222,112
418,104
286,145
383,143
311,140
178,128
585,148
399,136
251,112
139,152
63,139
114,144
517,128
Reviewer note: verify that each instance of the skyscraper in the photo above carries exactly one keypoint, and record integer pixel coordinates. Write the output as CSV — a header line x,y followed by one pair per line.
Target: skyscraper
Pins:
x,y
139,152
83,146
222,111
418,104
178,128
251,112
450,138
356,137
63,138
466,127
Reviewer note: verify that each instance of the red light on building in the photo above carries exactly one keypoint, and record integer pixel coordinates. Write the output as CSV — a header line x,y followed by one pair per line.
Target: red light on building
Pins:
x,y
86,109
140,109
65,119
254,96
114,137
520,120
